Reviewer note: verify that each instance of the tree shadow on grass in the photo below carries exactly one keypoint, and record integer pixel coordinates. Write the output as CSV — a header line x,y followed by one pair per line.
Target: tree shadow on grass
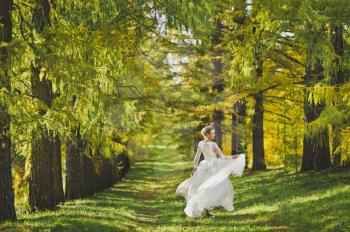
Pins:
x,y
146,201
270,201
116,209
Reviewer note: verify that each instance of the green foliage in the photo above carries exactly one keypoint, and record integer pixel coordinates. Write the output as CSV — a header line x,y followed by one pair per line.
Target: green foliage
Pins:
x,y
128,72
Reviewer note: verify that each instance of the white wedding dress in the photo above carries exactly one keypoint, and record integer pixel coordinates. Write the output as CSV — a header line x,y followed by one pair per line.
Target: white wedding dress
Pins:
x,y
210,186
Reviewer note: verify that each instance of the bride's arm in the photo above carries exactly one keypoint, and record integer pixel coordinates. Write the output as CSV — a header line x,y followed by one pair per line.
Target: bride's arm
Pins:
x,y
218,151
197,156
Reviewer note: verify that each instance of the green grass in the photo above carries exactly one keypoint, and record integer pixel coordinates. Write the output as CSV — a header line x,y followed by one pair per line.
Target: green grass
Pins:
x,y
145,201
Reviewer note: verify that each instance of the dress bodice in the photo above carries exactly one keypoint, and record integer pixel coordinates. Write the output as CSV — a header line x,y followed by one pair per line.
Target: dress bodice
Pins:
x,y
207,149
210,150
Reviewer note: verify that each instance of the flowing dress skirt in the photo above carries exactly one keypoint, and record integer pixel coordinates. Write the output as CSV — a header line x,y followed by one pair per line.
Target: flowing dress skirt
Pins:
x,y
210,186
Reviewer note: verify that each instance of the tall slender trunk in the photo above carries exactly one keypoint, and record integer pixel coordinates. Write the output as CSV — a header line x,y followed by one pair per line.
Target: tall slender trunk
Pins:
x,y
238,143
238,136
258,134
7,207
258,119
337,77
218,81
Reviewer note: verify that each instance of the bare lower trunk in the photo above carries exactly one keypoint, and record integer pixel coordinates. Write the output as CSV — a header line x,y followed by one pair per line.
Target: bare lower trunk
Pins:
x,y
238,134
41,172
7,207
88,176
238,142
258,134
57,170
258,117
73,167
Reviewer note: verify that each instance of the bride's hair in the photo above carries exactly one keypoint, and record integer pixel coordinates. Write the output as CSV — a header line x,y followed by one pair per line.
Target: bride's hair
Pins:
x,y
206,130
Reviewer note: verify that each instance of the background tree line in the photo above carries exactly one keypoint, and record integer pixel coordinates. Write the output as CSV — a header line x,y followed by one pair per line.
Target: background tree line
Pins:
x,y
271,76
84,84
70,90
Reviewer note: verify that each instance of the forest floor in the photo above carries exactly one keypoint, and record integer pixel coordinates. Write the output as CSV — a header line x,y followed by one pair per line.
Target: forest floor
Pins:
x,y
145,201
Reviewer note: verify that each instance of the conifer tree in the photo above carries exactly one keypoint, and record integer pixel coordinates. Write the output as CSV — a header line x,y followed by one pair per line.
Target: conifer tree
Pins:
x,y
45,184
238,140
338,77
218,80
7,208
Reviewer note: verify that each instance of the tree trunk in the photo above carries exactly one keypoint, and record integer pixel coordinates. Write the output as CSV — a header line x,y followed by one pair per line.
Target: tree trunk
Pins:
x,y
218,82
122,164
41,172
258,134
322,151
337,77
73,167
218,117
258,119
7,207
88,176
316,151
103,170
308,159
57,171
337,155
44,156
98,166
238,134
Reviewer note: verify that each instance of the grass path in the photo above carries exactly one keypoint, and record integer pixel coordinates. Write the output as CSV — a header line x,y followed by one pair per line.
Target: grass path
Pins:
x,y
145,201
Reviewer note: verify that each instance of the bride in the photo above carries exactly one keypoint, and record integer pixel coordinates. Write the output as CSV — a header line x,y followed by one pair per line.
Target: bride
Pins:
x,y
209,185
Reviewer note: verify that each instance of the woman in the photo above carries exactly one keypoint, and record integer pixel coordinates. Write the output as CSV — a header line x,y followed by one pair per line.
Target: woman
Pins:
x,y
209,185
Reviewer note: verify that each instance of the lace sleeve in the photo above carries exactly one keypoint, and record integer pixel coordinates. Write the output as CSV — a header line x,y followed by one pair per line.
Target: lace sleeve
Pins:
x,y
218,151
197,156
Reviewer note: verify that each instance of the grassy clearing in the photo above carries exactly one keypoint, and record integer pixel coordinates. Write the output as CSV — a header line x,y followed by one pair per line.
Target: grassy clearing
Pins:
x,y
145,201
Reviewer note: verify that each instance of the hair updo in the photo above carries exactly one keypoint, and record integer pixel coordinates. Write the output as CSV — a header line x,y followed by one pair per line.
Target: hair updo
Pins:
x,y
206,130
